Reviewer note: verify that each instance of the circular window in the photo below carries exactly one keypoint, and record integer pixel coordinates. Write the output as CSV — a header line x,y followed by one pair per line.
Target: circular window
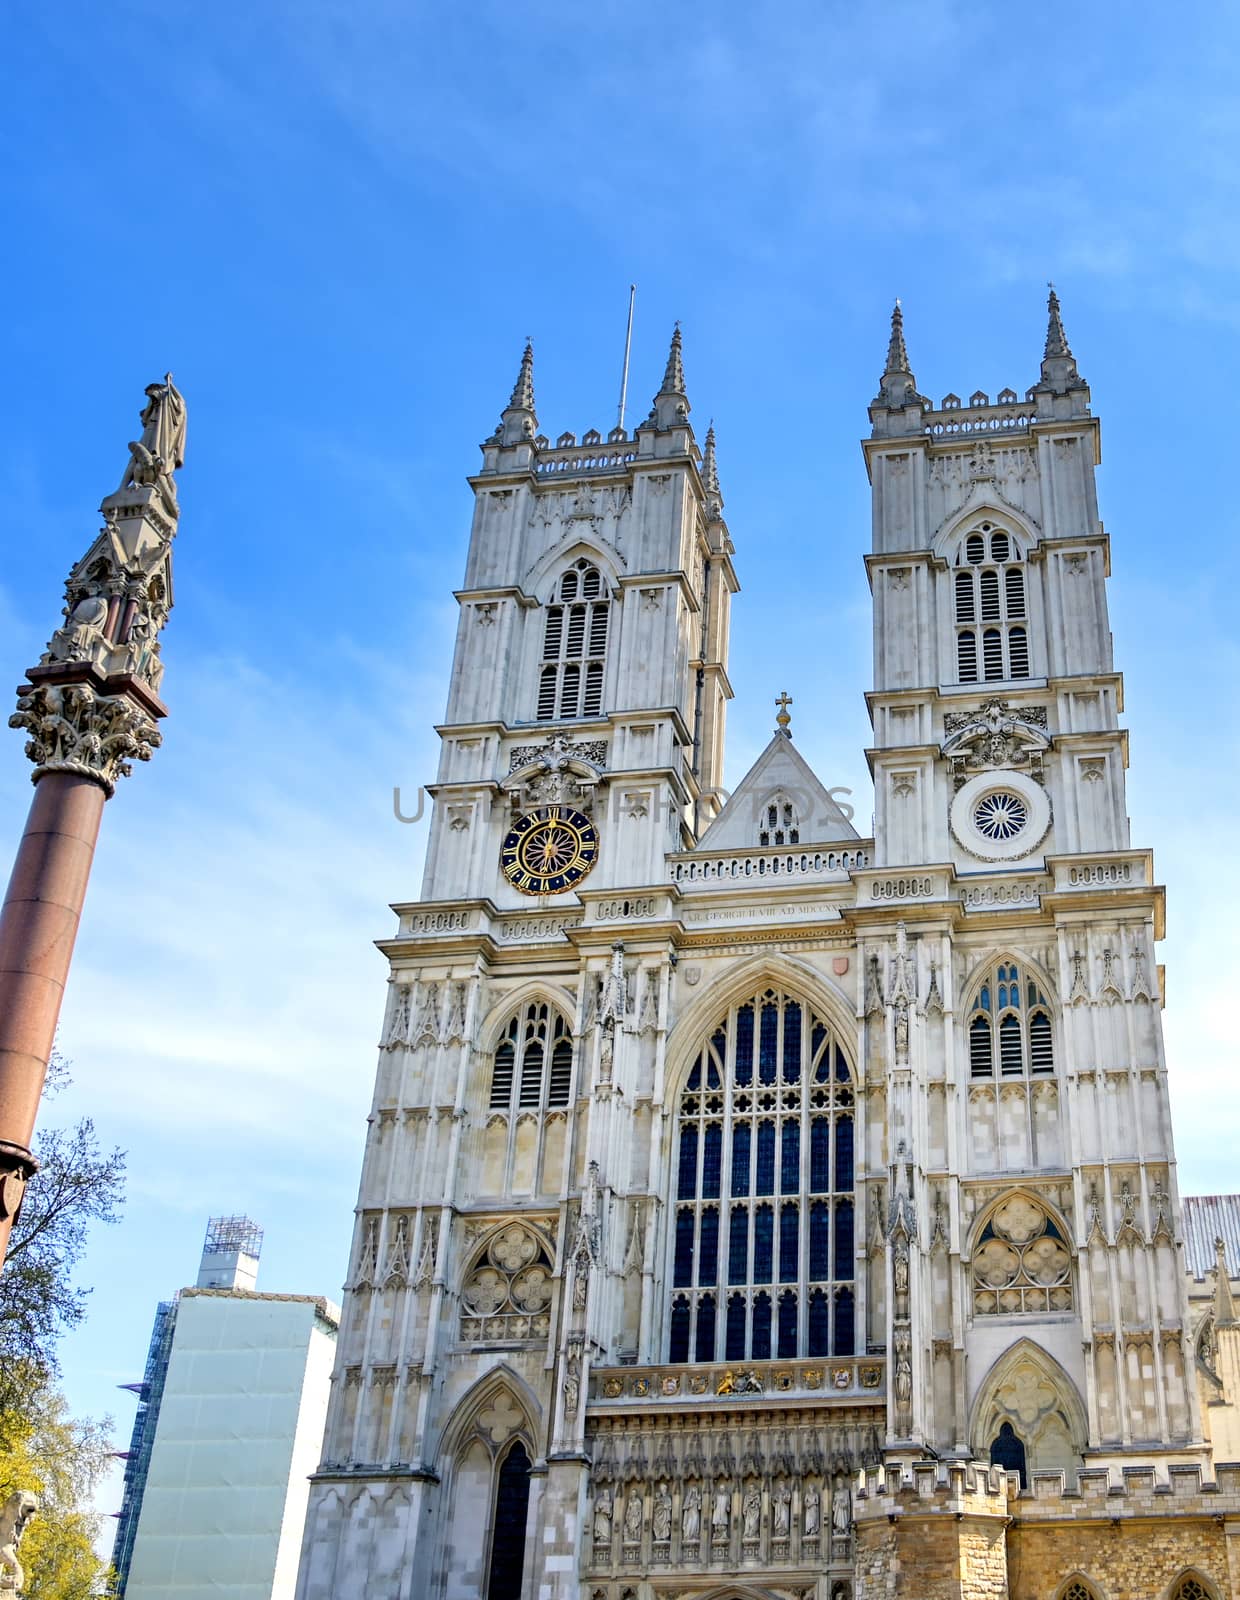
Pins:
x,y
1000,816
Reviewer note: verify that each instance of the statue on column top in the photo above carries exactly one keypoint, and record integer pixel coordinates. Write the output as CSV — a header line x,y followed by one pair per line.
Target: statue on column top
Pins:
x,y
161,450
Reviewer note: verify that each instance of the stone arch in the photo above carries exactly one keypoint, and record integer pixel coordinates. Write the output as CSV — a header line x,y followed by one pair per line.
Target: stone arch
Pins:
x,y
985,961
465,1421
573,547
795,975
981,509
491,1029
1191,1584
1029,1389
1076,1586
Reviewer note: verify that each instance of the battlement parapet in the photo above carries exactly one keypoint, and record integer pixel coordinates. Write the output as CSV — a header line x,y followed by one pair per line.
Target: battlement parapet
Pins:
x,y
964,1488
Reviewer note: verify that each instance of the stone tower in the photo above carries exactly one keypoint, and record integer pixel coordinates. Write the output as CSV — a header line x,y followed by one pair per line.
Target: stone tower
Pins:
x,y
727,1170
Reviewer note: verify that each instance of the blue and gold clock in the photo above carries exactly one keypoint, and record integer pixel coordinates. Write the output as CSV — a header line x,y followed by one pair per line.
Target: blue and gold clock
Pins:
x,y
549,850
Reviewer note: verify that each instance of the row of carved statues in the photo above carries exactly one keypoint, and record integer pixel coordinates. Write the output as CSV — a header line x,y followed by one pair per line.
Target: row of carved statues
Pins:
x,y
713,1510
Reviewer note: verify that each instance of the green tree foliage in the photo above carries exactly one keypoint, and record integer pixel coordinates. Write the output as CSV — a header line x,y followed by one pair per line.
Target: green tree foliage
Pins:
x,y
61,1459
77,1184
42,1447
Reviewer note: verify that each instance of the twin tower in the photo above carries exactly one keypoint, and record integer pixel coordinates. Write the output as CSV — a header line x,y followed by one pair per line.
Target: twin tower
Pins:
x,y
739,1190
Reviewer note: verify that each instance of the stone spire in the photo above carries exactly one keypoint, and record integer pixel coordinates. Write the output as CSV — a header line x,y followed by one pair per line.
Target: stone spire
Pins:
x,y
1056,338
897,388
710,476
90,709
671,404
1059,372
518,420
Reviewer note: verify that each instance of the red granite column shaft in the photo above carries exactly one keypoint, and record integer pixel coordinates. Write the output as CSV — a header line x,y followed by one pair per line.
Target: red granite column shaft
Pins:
x,y
38,927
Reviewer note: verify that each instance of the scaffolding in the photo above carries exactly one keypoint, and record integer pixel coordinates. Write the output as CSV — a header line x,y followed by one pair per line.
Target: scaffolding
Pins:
x,y
228,1235
137,1458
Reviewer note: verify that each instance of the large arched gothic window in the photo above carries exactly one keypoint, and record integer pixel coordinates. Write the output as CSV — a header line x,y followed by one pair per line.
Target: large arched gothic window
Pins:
x,y
992,634
764,1226
570,681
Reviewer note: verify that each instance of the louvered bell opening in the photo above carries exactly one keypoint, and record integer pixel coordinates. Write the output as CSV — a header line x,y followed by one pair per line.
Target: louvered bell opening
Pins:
x,y
964,597
1011,1057
1014,592
553,635
992,653
593,702
546,694
1018,653
990,596
561,1073
1041,1043
570,694
966,657
975,549
980,1063
501,1076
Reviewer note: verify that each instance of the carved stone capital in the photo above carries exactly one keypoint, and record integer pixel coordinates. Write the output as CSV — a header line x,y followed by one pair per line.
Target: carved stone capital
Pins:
x,y
74,727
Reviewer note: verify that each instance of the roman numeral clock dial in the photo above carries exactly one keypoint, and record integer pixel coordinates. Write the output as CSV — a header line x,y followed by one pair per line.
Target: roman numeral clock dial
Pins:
x,y
549,850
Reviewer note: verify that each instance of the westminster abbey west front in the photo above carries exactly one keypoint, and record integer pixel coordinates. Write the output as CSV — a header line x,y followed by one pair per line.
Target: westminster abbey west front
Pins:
x,y
751,1209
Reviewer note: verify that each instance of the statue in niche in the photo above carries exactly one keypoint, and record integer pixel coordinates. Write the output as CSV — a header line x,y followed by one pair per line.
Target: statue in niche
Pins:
x,y
901,1268
633,1517
813,1511
691,1516
661,1521
841,1511
752,1512
602,1517
721,1511
83,628
783,1509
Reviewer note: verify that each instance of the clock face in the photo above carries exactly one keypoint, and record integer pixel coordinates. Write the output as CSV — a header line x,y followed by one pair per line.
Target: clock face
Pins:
x,y
549,850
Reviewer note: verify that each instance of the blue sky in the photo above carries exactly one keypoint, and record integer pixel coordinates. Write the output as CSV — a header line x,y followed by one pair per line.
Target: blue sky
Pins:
x,y
336,223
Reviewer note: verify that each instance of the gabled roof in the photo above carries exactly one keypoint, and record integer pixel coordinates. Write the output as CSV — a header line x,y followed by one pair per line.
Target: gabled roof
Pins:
x,y
1208,1217
780,768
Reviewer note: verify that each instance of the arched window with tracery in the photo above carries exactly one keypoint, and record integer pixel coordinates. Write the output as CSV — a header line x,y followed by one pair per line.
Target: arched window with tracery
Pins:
x,y
1021,1262
1078,1589
779,822
574,653
1191,1587
992,635
531,1085
1010,1031
763,1230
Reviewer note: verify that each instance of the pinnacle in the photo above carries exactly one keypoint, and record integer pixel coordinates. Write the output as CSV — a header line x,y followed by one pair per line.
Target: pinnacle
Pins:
x,y
523,389
710,468
674,375
1056,338
897,352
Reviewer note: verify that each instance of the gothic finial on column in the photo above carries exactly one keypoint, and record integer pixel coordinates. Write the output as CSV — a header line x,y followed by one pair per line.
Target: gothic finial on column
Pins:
x,y
897,387
1059,371
91,704
710,476
518,420
1056,338
671,404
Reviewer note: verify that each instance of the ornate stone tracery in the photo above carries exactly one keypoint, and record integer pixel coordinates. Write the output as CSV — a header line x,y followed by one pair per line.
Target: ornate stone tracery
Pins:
x,y
506,1294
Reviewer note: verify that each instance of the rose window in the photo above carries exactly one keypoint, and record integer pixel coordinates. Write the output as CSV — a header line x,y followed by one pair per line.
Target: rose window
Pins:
x,y
1021,1263
1000,816
506,1295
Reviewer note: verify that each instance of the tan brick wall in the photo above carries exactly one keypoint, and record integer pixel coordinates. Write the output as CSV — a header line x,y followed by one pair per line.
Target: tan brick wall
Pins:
x,y
1128,1561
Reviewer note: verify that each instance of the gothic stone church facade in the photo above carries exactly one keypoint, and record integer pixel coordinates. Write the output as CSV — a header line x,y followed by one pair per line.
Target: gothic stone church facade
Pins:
x,y
750,1208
